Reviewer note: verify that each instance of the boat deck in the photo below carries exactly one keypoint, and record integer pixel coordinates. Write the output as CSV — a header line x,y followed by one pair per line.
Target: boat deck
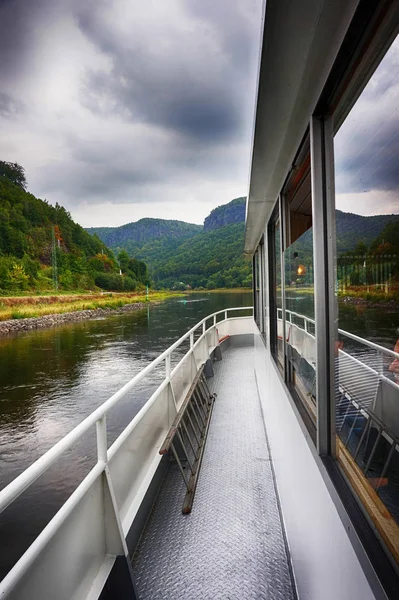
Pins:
x,y
232,545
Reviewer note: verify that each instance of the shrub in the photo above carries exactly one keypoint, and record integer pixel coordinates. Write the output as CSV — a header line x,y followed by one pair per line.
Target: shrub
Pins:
x,y
129,284
109,282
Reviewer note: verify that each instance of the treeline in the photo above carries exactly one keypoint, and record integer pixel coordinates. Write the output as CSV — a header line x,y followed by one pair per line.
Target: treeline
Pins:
x,y
376,264
183,255
210,260
42,248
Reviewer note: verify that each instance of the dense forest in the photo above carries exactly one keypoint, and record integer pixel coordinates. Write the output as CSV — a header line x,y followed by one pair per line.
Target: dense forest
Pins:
x,y
42,248
182,255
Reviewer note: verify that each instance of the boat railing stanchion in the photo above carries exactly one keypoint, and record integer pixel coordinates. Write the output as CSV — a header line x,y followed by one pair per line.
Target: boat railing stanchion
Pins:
x,y
191,340
225,315
101,431
167,366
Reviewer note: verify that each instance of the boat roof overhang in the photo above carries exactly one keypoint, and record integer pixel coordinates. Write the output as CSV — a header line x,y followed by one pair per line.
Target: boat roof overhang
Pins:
x,y
300,43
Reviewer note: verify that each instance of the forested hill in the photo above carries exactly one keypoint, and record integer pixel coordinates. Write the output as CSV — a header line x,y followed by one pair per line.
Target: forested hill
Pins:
x,y
350,227
41,247
180,254
134,235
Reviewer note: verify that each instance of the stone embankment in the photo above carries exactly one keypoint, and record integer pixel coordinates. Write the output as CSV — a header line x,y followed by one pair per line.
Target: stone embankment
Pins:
x,y
14,325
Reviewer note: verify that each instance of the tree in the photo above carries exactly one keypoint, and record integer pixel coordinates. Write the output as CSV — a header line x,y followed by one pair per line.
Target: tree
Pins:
x,y
123,259
14,173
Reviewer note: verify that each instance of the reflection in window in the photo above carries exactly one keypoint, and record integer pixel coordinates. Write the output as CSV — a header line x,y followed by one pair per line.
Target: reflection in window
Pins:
x,y
278,297
300,324
300,334
367,378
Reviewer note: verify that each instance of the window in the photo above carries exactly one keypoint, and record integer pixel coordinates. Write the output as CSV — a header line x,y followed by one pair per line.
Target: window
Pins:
x,y
366,151
300,338
276,307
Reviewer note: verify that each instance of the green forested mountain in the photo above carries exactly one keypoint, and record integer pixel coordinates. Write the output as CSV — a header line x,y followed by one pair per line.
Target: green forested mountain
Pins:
x,y
180,254
213,256
210,259
351,228
42,247
133,236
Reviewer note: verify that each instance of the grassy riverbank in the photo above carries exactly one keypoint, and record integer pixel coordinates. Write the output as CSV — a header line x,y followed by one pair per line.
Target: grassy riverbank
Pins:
x,y
25,307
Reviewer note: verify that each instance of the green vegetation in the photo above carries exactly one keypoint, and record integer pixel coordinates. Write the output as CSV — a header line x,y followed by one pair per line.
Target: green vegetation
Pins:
x,y
183,256
372,272
22,307
352,229
42,248
133,235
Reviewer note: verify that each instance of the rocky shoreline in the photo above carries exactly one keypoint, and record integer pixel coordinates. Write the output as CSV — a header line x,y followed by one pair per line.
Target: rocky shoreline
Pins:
x,y
46,321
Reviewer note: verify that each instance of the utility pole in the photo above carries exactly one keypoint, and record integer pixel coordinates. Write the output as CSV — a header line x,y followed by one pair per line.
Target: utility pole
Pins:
x,y
54,261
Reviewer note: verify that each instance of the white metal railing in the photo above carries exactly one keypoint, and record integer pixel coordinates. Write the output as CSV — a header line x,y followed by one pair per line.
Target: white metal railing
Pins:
x,y
165,396
352,336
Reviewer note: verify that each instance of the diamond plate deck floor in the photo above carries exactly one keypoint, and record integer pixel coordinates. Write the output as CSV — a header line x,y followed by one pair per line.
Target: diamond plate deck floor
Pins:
x,y
231,546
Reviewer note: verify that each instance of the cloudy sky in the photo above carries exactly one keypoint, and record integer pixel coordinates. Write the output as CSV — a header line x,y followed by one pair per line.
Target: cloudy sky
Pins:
x,y
367,145
122,109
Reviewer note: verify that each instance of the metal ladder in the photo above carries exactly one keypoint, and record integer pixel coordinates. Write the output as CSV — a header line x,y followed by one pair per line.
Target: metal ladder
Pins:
x,y
187,436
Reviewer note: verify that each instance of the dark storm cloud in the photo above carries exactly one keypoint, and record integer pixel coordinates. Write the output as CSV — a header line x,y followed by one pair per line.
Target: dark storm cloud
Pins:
x,y
129,101
197,91
18,20
367,145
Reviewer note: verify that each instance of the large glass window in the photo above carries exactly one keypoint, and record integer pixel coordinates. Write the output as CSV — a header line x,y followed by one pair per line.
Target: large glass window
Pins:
x,y
367,349
276,306
299,331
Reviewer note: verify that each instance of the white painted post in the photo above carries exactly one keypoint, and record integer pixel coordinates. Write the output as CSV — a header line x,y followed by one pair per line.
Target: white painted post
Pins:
x,y
167,366
191,340
101,430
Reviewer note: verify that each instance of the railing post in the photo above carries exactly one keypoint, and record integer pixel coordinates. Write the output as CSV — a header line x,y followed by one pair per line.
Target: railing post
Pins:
x,y
191,340
225,315
167,366
203,327
101,430
214,319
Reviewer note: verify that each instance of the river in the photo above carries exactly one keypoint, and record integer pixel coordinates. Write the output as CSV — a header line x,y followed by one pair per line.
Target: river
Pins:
x,y
52,379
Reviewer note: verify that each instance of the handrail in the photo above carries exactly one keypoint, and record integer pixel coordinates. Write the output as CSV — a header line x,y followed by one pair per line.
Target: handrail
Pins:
x,y
16,487
352,336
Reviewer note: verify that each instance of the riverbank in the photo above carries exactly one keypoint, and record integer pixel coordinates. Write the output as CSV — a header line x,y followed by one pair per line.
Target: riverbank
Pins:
x,y
37,312
52,320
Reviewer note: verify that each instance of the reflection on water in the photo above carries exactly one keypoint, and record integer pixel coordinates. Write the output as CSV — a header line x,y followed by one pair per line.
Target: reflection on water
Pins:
x,y
51,379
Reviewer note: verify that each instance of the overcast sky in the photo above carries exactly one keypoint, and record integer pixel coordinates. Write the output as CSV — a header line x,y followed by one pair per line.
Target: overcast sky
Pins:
x,y
367,145
123,109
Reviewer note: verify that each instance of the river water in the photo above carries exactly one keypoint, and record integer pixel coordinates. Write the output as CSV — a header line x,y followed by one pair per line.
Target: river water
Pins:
x,y
50,380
